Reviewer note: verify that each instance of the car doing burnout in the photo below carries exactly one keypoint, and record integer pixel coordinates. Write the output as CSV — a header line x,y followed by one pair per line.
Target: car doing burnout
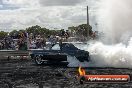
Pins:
x,y
59,53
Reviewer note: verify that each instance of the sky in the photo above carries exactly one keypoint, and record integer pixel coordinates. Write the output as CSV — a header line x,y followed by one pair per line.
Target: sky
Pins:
x,y
52,14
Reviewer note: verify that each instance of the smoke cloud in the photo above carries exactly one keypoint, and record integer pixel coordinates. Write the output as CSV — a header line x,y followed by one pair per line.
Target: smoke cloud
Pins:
x,y
114,19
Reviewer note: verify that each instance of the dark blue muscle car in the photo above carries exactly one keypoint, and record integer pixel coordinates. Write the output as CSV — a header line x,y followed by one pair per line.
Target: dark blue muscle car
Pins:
x,y
59,53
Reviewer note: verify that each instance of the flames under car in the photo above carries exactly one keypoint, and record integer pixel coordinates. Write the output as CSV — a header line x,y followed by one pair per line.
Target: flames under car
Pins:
x,y
57,54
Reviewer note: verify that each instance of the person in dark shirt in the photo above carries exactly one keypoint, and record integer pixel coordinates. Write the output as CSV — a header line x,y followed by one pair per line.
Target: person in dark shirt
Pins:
x,y
62,33
67,34
22,44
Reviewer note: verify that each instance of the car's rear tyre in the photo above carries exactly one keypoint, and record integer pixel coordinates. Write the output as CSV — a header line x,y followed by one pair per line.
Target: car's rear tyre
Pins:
x,y
38,59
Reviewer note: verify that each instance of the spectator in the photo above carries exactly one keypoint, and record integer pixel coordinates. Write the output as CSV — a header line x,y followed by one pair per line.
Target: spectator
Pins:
x,y
43,40
67,35
1,45
22,45
13,45
32,44
62,33
31,36
38,42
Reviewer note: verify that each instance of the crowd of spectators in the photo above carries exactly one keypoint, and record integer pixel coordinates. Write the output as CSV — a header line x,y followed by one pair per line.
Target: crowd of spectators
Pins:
x,y
24,41
14,43
39,41
7,43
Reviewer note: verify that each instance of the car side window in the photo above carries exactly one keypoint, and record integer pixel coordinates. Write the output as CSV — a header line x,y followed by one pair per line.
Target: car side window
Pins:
x,y
56,47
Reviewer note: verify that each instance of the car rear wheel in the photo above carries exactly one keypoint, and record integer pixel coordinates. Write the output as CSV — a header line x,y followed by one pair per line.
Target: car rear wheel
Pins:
x,y
38,60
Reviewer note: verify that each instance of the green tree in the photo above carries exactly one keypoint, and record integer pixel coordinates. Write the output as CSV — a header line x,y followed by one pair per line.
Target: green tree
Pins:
x,y
82,29
41,31
85,30
34,29
3,34
13,32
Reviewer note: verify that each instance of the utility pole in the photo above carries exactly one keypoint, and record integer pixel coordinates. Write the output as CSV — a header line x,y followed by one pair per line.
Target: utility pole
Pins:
x,y
88,20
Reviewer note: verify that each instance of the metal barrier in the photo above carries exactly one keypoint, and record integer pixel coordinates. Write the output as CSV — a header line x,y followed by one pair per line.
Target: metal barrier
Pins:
x,y
9,53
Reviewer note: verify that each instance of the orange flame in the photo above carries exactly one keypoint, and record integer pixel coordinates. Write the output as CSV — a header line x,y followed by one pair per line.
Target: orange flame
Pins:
x,y
81,71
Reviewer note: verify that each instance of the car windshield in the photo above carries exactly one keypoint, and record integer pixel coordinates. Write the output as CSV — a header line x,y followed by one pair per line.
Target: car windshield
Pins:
x,y
69,47
56,47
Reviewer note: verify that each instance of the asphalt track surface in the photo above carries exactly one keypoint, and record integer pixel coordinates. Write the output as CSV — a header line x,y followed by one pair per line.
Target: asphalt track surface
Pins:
x,y
26,74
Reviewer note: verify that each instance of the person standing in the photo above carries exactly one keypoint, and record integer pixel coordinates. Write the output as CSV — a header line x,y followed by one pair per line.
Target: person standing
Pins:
x,y
62,33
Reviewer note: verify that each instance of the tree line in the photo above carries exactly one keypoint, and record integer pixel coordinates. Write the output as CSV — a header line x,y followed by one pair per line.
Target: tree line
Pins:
x,y
83,29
